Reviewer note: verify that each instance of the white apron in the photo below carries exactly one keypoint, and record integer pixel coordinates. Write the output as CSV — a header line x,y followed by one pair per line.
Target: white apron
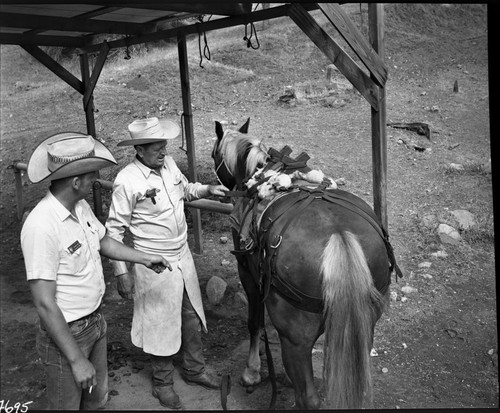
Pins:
x,y
156,324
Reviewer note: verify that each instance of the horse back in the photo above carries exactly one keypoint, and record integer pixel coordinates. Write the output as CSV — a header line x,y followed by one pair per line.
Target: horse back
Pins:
x,y
295,230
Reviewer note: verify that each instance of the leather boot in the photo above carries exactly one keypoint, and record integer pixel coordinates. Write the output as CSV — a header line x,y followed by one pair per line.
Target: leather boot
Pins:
x,y
204,379
167,397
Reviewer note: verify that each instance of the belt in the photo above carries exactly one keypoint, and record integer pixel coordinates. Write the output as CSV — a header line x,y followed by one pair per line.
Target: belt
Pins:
x,y
92,314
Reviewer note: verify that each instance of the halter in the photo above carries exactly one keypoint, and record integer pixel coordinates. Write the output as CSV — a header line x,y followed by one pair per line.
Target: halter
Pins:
x,y
223,162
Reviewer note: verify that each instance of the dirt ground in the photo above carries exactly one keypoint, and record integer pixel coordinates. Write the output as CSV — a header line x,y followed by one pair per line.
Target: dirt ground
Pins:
x,y
437,346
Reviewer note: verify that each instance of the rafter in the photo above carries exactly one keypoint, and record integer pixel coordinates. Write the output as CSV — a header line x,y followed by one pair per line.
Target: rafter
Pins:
x,y
76,24
41,40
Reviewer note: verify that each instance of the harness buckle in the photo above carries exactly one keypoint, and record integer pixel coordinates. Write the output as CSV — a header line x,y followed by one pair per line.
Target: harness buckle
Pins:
x,y
279,239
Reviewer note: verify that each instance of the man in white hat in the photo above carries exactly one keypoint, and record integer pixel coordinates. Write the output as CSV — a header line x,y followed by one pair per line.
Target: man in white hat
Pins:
x,y
148,199
62,241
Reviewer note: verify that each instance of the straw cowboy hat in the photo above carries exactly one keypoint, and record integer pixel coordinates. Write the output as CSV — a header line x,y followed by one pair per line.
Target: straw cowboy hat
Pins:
x,y
151,130
67,154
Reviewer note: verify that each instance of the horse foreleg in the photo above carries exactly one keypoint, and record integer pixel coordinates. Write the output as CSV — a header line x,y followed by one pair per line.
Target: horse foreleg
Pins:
x,y
251,373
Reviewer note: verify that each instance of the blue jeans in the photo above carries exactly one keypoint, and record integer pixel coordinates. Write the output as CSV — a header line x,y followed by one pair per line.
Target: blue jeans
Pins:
x,y
62,390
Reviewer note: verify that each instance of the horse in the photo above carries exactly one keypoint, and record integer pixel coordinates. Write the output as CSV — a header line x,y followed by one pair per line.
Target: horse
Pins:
x,y
320,266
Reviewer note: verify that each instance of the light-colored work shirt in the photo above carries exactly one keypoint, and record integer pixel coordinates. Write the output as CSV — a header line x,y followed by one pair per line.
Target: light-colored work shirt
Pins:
x,y
151,205
157,222
64,247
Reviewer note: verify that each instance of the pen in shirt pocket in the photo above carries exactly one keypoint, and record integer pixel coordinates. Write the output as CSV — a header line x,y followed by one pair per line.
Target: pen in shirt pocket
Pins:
x,y
151,193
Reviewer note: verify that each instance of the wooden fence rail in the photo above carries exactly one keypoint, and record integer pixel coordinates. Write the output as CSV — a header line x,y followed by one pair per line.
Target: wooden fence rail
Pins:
x,y
99,185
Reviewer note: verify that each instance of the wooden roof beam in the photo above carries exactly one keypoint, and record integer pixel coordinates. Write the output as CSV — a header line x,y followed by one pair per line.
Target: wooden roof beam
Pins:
x,y
41,40
55,67
204,7
341,21
96,72
77,24
336,54
88,15
220,8
267,14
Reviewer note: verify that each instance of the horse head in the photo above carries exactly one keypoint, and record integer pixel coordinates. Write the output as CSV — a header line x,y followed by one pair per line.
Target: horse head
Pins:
x,y
236,155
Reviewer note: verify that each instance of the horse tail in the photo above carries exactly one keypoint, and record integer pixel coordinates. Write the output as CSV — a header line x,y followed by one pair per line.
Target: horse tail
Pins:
x,y
350,304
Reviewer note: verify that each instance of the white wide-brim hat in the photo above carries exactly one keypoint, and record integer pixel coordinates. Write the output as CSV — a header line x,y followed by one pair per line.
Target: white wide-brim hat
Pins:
x,y
151,130
67,154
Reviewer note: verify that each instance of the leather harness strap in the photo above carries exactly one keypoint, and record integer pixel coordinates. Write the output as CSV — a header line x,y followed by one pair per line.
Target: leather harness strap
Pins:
x,y
302,200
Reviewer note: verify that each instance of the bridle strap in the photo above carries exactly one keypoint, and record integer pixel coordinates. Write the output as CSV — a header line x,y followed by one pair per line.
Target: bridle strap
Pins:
x,y
223,162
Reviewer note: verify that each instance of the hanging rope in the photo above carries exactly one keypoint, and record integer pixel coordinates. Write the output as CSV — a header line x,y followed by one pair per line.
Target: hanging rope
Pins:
x,y
248,39
206,50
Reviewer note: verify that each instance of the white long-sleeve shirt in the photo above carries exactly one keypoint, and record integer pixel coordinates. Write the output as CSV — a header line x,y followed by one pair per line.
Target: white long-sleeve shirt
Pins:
x,y
157,224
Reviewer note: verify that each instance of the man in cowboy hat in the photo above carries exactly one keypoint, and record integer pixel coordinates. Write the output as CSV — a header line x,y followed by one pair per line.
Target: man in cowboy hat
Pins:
x,y
61,241
148,199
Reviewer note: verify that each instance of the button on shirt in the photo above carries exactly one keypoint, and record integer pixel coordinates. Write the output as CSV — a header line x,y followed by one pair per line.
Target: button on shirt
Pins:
x,y
64,247
151,205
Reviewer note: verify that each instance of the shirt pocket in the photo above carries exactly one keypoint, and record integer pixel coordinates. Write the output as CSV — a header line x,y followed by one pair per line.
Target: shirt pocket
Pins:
x,y
147,204
176,189
72,263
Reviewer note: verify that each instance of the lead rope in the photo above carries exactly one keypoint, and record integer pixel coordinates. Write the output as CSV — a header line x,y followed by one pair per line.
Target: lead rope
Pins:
x,y
206,50
225,388
249,39
270,367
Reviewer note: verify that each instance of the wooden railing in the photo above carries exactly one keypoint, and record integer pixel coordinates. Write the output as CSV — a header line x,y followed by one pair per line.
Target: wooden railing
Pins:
x,y
99,185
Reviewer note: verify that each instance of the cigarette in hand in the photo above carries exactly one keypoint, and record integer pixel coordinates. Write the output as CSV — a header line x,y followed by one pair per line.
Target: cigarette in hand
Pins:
x,y
90,389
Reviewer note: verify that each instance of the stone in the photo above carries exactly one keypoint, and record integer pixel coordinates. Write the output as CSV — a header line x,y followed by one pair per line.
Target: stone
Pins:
x,y
456,167
464,218
448,234
216,287
440,254
425,264
340,181
429,220
408,290
240,299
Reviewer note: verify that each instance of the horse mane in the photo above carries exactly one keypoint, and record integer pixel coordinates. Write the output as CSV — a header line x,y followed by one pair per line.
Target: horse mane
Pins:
x,y
236,146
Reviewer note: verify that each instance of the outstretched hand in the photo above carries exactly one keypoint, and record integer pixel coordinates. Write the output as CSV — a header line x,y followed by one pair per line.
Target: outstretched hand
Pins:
x,y
218,190
157,263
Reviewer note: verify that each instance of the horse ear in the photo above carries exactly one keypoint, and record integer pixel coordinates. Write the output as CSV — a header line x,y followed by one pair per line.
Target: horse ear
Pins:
x,y
218,130
244,128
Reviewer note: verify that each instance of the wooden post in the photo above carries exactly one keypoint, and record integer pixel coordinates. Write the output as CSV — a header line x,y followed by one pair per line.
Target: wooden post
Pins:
x,y
189,131
19,191
89,107
378,118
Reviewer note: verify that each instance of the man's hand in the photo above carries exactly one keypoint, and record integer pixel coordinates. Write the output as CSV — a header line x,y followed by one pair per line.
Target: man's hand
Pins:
x,y
157,263
125,285
218,190
84,373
